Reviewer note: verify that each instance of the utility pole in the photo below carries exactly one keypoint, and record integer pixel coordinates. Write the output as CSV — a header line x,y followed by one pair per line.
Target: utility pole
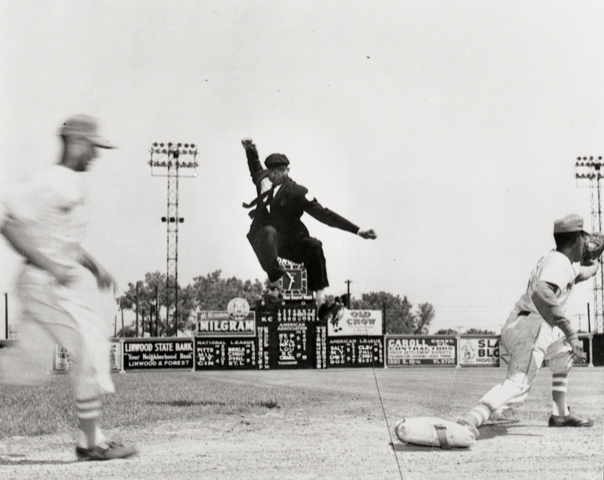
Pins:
x,y
589,172
166,161
136,333
348,282
6,314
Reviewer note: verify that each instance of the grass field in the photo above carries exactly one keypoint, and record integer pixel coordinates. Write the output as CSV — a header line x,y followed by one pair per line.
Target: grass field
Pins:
x,y
300,424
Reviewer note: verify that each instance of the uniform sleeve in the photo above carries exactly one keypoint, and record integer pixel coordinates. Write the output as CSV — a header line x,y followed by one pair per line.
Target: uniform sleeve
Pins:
x,y
548,306
556,272
257,172
326,216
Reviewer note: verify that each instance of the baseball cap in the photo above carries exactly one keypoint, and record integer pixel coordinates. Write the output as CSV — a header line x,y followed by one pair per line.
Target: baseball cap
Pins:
x,y
569,223
84,126
275,160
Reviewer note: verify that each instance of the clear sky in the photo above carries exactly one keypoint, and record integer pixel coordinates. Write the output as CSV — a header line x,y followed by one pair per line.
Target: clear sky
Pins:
x,y
451,128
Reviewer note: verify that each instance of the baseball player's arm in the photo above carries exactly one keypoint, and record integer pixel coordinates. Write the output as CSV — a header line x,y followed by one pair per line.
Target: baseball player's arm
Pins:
x,y
544,298
103,278
253,162
18,236
326,216
587,269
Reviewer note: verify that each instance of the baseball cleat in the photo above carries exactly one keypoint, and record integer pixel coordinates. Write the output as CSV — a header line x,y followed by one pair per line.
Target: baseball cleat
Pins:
x,y
468,425
569,420
112,451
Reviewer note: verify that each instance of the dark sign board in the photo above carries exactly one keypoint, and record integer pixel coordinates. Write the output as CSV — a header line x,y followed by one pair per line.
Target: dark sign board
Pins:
x,y
355,351
221,324
291,336
403,350
158,354
587,349
225,353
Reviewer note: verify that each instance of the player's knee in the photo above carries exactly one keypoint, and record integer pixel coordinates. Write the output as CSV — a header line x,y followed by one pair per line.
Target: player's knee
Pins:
x,y
314,246
512,388
561,363
266,233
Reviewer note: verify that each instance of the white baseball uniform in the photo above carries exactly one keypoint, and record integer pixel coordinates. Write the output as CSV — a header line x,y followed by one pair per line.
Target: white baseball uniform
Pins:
x,y
52,206
529,338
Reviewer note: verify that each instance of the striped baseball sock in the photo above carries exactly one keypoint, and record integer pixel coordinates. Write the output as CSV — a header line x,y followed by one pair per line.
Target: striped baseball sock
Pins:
x,y
559,386
478,415
88,412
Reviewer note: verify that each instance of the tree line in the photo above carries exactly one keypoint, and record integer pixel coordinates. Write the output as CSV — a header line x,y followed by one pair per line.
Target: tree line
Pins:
x,y
147,300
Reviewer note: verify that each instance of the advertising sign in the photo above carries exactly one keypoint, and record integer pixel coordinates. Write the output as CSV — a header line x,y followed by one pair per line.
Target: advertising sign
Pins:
x,y
356,322
481,351
60,361
158,354
236,321
404,350
220,324
225,353
356,352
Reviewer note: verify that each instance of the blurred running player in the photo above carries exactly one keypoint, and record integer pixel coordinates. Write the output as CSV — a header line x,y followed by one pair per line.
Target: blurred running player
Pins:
x,y
45,221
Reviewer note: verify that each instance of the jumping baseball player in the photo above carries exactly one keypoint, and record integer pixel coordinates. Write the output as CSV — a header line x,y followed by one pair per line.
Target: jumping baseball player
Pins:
x,y
539,329
45,222
276,228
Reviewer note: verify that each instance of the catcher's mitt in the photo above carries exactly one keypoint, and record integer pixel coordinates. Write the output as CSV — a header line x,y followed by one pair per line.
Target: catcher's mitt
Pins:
x,y
594,246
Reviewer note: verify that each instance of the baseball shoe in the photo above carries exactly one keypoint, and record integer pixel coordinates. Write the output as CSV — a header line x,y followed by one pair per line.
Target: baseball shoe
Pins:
x,y
569,420
468,425
110,452
500,416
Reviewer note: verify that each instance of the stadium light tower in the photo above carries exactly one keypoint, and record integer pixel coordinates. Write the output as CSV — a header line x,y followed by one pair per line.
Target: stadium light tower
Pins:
x,y
589,172
167,161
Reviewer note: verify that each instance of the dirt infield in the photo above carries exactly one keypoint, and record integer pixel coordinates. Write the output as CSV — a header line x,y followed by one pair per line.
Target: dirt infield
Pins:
x,y
345,437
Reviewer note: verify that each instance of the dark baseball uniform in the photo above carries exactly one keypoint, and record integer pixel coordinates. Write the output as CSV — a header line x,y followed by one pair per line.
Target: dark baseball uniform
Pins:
x,y
277,230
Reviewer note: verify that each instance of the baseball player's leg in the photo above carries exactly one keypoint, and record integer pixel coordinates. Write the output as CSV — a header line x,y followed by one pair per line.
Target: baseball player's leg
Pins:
x,y
560,362
265,243
82,333
27,362
526,341
310,253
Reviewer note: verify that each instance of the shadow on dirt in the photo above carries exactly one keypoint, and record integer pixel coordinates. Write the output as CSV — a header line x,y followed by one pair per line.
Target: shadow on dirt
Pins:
x,y
188,403
501,428
21,460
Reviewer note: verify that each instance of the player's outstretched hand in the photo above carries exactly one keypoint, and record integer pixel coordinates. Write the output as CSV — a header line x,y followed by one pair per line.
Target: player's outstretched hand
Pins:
x,y
368,234
248,144
578,354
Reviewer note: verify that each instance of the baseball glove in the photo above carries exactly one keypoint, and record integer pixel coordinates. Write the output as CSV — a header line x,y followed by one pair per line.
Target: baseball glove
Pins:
x,y
594,246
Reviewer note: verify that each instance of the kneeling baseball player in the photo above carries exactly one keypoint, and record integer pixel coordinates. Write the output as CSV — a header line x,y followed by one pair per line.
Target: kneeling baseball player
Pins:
x,y
539,329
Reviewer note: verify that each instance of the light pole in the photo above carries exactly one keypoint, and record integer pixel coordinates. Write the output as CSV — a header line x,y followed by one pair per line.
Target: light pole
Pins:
x,y
588,170
166,161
